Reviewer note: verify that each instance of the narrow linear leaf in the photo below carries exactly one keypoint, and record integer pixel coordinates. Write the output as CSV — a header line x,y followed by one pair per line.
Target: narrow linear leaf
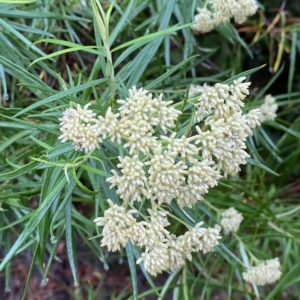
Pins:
x,y
58,212
88,49
132,267
261,166
69,240
292,60
84,188
246,73
141,61
30,273
124,18
34,221
40,143
20,73
168,73
94,170
62,94
152,36
22,170
42,128
14,138
18,1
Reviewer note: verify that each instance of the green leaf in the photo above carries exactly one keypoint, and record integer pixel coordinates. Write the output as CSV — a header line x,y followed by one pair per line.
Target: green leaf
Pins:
x,y
94,170
40,143
284,128
292,60
260,165
60,150
82,186
72,48
120,25
32,125
141,61
132,267
62,94
30,273
69,190
20,171
151,36
35,220
245,73
18,1
69,240
14,138
168,73
20,36
20,73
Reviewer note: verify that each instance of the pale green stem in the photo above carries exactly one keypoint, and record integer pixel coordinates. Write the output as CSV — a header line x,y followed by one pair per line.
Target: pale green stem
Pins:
x,y
175,218
212,207
205,3
138,212
252,257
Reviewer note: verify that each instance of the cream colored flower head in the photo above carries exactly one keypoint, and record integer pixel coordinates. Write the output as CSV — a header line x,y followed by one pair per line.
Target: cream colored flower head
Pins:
x,y
268,109
231,220
264,273
118,226
77,125
204,21
221,11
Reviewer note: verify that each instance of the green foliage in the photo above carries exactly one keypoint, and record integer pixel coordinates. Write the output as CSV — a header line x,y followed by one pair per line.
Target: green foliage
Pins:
x,y
54,54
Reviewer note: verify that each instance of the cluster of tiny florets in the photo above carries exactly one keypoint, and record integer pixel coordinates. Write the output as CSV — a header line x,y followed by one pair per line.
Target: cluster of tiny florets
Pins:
x,y
165,176
77,125
268,109
264,273
231,220
140,113
221,11
162,165
131,184
163,251
220,107
117,225
200,177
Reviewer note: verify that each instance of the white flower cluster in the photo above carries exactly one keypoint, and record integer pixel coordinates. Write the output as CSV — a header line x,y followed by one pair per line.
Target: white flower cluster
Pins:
x,y
77,126
221,11
268,109
264,273
231,220
163,251
131,185
160,167
220,107
138,115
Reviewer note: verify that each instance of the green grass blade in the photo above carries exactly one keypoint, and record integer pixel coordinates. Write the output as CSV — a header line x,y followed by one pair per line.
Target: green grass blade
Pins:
x,y
141,61
132,267
292,60
21,37
35,220
61,95
20,73
69,240
121,24
30,273
151,36
18,1
14,138
168,73
22,170
261,166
